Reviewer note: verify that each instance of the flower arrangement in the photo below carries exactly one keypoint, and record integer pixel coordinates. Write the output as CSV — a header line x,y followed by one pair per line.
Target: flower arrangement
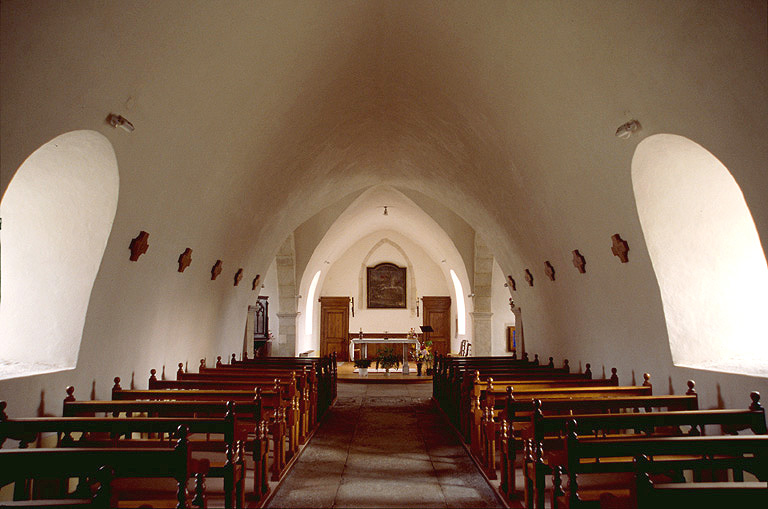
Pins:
x,y
387,358
363,363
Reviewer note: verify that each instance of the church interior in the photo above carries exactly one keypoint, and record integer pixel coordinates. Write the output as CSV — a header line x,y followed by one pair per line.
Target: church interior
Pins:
x,y
594,170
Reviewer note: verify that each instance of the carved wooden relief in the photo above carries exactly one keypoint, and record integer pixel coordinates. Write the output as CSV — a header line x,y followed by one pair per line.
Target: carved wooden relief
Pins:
x,y
238,276
216,270
579,261
620,248
255,283
529,277
185,259
139,245
549,270
511,283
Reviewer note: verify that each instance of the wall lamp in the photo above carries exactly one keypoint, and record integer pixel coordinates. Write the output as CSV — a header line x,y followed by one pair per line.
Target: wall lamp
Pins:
x,y
121,122
625,130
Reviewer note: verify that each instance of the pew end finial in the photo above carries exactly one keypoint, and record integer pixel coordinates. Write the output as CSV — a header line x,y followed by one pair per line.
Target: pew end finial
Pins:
x,y
551,362
202,365
218,361
691,388
566,366
70,394
646,380
152,375
536,359
614,376
233,359
117,387
180,371
588,371
755,396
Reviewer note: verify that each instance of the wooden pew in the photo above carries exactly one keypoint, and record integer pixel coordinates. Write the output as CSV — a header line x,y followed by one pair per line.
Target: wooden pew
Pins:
x,y
518,415
289,398
21,465
546,434
487,410
275,408
587,457
249,412
326,372
118,432
702,495
306,382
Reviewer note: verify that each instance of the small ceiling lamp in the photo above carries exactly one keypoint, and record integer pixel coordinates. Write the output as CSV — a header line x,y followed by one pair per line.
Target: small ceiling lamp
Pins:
x,y
120,121
386,213
625,130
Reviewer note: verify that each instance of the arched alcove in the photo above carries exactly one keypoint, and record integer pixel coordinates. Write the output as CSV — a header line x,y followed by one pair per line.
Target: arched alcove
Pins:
x,y
57,215
706,254
411,290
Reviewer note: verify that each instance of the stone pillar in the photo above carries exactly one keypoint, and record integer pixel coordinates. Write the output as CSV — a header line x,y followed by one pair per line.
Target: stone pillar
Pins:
x,y
286,335
481,333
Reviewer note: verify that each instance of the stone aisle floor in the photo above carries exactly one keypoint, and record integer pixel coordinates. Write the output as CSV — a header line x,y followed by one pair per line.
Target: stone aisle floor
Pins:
x,y
384,446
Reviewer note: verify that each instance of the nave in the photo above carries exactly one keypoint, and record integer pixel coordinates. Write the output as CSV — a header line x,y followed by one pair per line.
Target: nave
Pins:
x,y
384,446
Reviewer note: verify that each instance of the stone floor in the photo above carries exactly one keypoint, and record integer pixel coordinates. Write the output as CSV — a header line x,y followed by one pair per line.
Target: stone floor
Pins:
x,y
384,446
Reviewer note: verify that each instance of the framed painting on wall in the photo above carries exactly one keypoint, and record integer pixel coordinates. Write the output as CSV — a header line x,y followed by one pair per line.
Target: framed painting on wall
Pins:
x,y
511,339
386,286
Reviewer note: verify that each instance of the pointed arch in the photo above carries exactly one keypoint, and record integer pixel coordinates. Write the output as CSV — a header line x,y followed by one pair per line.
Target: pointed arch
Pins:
x,y
410,289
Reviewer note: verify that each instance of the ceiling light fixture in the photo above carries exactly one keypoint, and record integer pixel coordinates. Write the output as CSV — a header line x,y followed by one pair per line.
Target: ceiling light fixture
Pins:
x,y
120,121
625,130
385,211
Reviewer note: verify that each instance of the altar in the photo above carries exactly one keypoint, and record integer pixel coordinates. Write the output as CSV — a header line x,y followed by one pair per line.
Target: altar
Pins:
x,y
364,339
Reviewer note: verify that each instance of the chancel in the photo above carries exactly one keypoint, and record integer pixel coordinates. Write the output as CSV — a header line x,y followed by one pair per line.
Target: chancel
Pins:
x,y
188,180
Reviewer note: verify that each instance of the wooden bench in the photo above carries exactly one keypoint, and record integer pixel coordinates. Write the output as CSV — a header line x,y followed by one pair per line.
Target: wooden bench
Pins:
x,y
118,432
276,410
547,434
19,466
518,415
702,495
587,457
326,372
297,414
249,413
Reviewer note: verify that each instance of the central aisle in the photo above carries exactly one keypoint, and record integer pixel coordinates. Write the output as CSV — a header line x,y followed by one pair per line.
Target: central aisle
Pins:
x,y
384,446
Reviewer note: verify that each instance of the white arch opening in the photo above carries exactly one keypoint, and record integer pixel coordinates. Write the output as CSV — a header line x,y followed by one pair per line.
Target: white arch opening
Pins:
x,y
57,216
706,253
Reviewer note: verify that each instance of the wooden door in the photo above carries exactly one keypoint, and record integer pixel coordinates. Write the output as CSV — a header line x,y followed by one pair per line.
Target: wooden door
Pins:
x,y
437,313
334,327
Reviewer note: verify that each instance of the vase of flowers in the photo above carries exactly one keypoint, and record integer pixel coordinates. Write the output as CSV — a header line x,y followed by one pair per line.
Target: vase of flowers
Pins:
x,y
362,366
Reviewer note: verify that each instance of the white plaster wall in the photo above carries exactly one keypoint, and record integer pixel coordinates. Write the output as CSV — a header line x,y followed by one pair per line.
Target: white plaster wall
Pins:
x,y
502,314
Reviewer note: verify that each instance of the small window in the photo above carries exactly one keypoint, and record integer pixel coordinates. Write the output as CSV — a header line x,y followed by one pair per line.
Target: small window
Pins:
x,y
706,254
57,214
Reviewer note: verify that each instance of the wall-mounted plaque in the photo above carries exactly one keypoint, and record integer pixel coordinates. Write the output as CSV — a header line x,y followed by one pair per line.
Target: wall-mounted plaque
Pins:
x,y
386,286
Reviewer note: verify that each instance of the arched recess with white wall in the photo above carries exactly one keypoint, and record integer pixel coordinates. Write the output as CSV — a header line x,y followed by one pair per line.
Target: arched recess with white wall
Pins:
x,y
706,254
406,225
57,215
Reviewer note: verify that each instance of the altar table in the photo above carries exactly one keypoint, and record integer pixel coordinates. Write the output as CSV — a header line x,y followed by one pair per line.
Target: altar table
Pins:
x,y
399,341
